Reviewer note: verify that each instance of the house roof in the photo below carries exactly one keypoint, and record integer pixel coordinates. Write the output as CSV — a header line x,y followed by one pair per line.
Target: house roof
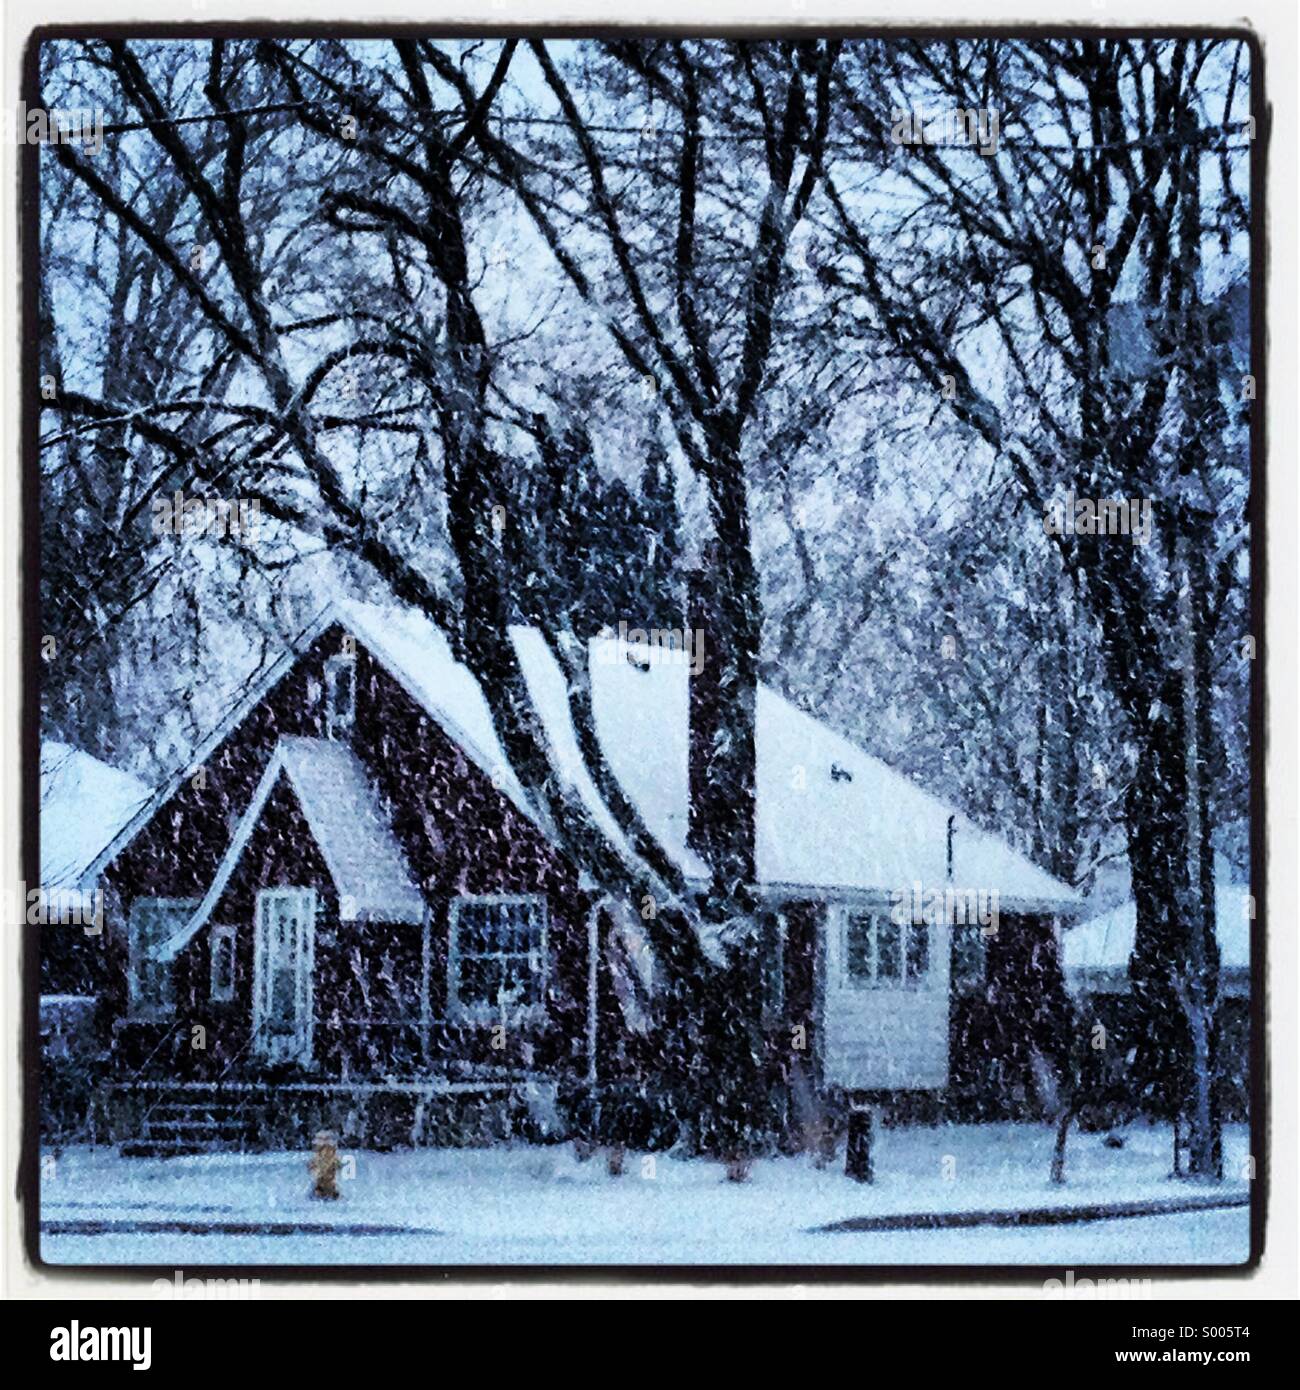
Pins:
x,y
873,830
1097,951
347,822
84,804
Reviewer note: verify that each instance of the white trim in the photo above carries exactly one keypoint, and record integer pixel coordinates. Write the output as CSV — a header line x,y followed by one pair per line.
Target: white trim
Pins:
x,y
260,684
224,935
159,953
238,841
280,763
342,721
304,994
490,1013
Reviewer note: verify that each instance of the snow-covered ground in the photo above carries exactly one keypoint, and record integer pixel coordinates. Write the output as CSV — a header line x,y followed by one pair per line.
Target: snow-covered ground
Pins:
x,y
530,1205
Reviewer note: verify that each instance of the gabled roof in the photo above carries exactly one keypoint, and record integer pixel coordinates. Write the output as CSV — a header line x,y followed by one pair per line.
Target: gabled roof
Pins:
x,y
1095,954
348,824
866,828
829,815
84,804
251,695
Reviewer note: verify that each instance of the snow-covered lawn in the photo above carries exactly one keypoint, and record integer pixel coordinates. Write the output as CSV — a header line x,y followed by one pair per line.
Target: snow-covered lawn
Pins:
x,y
533,1205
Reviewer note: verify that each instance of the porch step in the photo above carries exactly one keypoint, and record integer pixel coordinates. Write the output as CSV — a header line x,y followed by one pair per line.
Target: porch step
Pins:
x,y
199,1111
180,1123
163,1148
197,1129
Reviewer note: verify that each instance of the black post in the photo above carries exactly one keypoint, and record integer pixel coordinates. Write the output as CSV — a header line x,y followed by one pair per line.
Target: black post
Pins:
x,y
857,1156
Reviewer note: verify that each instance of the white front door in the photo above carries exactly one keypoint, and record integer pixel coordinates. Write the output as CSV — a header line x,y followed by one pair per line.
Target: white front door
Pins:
x,y
283,950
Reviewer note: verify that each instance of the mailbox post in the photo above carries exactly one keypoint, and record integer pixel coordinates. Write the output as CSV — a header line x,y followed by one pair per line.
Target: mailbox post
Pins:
x,y
857,1153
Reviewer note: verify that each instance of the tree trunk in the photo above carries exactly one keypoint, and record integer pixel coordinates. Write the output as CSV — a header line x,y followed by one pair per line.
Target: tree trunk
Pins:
x,y
1170,970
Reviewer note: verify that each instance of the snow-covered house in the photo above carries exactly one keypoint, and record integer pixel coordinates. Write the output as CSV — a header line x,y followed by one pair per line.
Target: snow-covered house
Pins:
x,y
348,894
1096,951
85,803
1095,956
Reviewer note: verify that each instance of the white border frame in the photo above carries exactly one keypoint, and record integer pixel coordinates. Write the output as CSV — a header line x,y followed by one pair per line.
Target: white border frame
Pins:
x,y
1276,23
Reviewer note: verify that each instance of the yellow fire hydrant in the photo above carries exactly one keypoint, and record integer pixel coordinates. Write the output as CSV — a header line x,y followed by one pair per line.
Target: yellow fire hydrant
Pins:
x,y
324,1166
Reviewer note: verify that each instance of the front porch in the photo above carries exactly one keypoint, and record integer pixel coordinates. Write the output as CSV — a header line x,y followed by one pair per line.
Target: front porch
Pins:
x,y
161,1119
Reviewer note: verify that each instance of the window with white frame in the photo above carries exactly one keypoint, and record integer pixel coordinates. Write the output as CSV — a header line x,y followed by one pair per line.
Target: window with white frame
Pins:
x,y
340,694
772,965
969,957
221,945
152,923
881,951
498,954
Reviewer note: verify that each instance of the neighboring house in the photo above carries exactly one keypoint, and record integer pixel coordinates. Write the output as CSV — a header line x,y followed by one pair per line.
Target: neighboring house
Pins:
x,y
85,803
1096,956
346,910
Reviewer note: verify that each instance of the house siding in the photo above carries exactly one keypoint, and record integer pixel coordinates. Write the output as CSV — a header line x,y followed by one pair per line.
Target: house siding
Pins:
x,y
463,836
883,1037
460,835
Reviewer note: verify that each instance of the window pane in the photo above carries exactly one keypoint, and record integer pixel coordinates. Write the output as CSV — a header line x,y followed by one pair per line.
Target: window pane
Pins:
x,y
151,924
479,978
969,956
500,945
340,693
889,949
504,919
918,950
528,928
519,979
155,983
223,965
858,947
531,992
284,981
473,928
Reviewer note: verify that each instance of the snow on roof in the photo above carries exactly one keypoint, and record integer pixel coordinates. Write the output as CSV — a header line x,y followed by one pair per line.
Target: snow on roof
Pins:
x,y
417,652
357,843
84,804
1101,946
348,824
865,827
